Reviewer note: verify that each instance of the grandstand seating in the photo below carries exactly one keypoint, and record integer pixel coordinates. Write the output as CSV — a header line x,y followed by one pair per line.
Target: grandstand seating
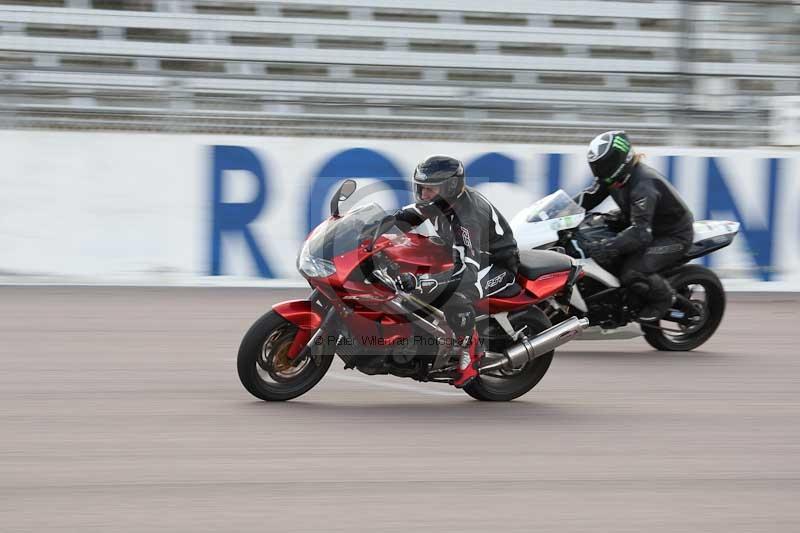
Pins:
x,y
514,70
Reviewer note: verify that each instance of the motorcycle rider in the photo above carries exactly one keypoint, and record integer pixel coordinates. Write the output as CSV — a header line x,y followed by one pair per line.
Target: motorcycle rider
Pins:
x,y
658,230
485,254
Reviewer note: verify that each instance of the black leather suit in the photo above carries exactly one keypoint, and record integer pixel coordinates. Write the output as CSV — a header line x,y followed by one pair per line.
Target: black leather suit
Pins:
x,y
485,253
658,229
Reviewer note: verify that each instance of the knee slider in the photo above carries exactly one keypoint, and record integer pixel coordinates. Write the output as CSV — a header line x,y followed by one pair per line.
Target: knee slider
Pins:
x,y
460,314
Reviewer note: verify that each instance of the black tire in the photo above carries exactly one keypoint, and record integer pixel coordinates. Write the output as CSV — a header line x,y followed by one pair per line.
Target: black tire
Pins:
x,y
254,362
713,310
492,389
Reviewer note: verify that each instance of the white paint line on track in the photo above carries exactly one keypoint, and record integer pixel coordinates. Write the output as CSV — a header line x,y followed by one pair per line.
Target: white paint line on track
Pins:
x,y
398,386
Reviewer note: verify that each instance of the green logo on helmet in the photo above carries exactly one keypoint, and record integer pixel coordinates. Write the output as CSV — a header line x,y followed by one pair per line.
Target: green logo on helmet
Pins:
x,y
621,144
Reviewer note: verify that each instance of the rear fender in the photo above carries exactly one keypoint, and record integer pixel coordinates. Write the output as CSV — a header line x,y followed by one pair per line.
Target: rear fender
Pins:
x,y
707,246
710,236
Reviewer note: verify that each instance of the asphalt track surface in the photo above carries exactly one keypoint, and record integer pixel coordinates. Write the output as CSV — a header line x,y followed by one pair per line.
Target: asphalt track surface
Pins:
x,y
121,410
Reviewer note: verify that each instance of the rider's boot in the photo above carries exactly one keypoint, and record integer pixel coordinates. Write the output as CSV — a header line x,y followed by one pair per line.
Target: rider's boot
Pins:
x,y
469,359
660,299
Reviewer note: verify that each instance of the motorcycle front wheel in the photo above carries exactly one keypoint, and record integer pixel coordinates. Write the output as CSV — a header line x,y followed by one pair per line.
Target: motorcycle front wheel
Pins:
x,y
264,367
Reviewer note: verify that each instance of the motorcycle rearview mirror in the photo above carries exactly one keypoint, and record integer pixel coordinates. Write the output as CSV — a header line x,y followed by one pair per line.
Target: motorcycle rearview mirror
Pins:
x,y
344,192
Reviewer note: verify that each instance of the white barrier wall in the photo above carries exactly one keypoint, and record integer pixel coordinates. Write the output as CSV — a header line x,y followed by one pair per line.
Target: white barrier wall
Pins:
x,y
99,205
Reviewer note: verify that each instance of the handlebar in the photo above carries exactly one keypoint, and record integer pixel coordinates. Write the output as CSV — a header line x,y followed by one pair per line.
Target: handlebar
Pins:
x,y
389,283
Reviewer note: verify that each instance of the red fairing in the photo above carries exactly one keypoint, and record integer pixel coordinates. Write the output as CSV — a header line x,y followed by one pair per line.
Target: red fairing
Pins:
x,y
547,285
417,254
421,254
499,305
534,292
374,328
300,313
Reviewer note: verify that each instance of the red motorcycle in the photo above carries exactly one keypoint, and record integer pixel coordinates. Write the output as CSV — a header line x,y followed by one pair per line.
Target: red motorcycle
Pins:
x,y
357,313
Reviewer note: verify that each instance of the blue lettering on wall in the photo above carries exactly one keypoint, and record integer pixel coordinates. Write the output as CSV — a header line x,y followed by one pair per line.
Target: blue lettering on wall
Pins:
x,y
555,163
234,217
491,168
553,172
353,163
671,166
759,239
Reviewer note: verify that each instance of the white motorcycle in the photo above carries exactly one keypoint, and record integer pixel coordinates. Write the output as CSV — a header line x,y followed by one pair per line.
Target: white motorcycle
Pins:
x,y
558,224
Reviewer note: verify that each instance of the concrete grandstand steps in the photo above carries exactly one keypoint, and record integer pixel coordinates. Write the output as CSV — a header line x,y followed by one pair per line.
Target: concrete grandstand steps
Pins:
x,y
186,27
297,62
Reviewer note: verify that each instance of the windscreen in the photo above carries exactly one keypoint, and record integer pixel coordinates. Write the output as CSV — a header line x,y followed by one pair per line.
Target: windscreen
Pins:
x,y
556,205
337,236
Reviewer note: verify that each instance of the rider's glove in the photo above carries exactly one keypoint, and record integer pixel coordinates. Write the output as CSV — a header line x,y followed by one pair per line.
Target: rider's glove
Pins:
x,y
406,281
601,251
594,248
614,220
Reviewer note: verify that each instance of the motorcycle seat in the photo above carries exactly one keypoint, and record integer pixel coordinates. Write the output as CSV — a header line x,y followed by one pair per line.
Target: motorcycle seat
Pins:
x,y
535,263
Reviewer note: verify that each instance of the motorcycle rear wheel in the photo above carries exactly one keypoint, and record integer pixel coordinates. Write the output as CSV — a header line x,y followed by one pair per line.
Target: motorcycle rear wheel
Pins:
x,y
704,289
495,389
264,368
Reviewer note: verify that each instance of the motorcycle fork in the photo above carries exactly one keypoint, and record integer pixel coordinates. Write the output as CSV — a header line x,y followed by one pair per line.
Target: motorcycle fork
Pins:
x,y
304,340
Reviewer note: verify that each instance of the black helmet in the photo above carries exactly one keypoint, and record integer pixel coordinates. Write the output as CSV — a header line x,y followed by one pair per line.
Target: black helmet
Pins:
x,y
441,171
611,158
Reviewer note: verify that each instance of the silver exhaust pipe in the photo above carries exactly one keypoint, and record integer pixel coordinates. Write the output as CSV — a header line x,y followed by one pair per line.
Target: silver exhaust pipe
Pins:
x,y
535,346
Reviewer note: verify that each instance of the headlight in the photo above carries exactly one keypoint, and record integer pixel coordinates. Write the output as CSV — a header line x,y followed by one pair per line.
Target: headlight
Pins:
x,y
314,267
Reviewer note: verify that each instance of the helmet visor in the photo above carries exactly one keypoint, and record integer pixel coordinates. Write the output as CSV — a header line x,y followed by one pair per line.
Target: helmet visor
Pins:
x,y
426,193
610,169
604,168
